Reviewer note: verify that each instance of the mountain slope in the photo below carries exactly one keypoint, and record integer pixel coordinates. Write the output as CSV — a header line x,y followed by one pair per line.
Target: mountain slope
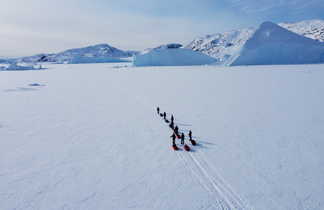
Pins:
x,y
222,46
272,44
226,47
313,29
92,54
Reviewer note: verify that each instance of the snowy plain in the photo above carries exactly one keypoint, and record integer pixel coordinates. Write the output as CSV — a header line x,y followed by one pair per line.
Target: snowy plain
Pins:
x,y
88,137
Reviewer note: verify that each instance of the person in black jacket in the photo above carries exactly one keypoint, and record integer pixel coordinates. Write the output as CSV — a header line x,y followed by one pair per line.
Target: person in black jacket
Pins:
x,y
158,110
176,130
171,125
173,136
182,138
164,115
190,135
172,118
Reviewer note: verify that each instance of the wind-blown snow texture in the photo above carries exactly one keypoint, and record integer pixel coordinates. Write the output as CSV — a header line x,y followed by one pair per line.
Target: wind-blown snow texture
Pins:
x,y
226,47
272,44
164,56
89,138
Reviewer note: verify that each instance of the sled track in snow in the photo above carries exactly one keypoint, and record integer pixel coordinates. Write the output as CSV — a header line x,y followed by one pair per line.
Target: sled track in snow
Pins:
x,y
224,197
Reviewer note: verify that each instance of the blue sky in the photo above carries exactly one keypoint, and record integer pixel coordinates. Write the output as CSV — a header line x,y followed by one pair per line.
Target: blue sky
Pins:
x,y
51,26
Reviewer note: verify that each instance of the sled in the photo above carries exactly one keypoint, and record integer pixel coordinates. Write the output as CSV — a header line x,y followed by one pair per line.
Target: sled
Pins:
x,y
193,142
167,121
186,147
175,148
161,115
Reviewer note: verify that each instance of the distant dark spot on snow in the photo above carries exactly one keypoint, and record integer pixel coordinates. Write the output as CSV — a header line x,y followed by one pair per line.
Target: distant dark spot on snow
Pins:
x,y
35,85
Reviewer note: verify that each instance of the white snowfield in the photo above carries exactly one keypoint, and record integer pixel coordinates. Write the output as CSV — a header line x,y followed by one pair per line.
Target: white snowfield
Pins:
x,y
88,137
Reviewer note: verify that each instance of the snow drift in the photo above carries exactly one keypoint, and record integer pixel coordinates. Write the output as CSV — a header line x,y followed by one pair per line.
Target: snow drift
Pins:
x,y
19,67
172,55
272,44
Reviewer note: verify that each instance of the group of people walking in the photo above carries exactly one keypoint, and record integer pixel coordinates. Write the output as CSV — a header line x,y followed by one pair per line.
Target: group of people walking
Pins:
x,y
176,133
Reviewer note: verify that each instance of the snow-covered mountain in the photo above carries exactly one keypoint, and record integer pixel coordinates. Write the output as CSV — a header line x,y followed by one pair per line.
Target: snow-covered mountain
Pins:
x,y
222,46
91,54
273,44
313,29
38,58
226,47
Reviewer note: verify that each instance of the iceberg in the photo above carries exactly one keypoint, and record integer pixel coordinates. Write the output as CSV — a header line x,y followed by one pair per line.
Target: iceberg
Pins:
x,y
171,55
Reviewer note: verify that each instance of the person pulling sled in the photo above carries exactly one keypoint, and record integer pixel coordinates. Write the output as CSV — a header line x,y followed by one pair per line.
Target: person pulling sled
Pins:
x,y
174,146
176,130
193,142
171,125
182,138
173,137
158,110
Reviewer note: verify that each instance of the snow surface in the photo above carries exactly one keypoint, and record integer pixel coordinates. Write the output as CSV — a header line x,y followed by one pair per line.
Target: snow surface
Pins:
x,y
171,55
89,138
272,44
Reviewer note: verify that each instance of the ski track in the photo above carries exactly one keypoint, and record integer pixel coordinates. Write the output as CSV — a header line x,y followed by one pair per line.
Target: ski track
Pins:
x,y
212,182
225,197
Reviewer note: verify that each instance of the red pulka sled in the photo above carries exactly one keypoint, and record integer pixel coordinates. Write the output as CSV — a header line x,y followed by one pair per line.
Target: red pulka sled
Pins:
x,y
186,147
175,148
193,142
